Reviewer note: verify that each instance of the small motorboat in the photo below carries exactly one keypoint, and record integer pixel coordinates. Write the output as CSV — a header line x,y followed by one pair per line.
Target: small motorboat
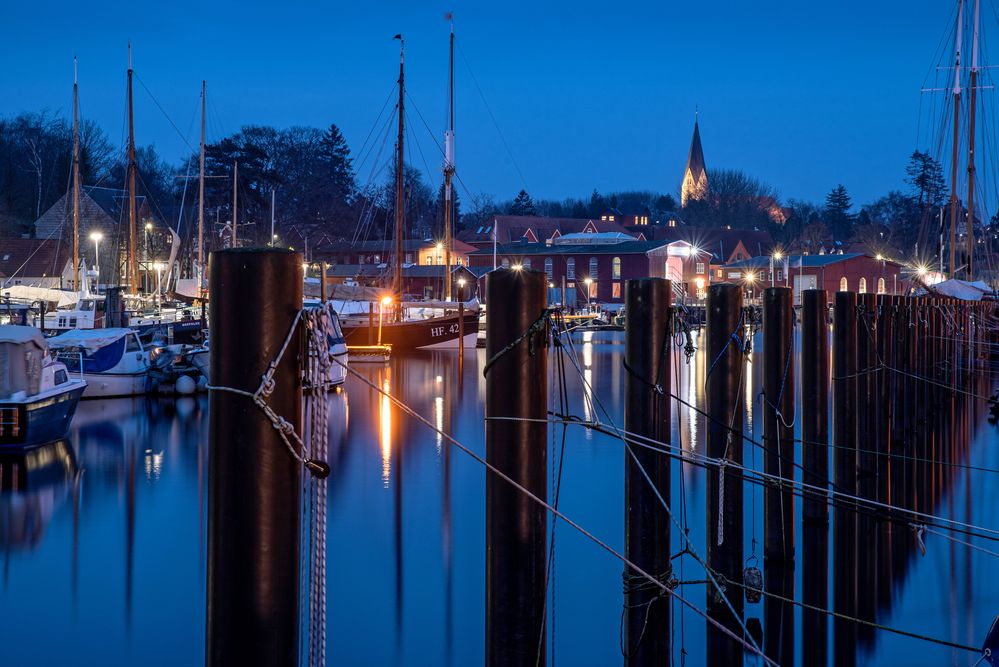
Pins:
x,y
114,362
38,396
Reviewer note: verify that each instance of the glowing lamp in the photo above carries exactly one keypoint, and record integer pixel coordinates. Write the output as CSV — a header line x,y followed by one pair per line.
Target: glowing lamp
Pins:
x,y
386,301
96,236
517,267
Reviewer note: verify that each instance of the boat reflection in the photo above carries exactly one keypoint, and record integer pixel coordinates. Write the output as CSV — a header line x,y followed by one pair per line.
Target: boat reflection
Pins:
x,y
34,483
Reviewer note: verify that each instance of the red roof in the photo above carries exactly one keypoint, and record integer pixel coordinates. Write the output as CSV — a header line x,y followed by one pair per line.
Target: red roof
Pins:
x,y
32,258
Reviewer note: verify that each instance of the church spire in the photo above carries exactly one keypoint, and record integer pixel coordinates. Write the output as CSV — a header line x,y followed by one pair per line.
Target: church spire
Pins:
x,y
695,176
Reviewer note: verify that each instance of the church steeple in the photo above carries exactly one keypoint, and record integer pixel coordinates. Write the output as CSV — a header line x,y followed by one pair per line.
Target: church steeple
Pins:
x,y
695,176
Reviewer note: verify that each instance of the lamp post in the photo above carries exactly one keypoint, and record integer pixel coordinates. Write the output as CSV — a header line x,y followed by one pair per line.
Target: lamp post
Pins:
x,y
96,238
386,301
461,289
587,282
145,252
750,280
775,258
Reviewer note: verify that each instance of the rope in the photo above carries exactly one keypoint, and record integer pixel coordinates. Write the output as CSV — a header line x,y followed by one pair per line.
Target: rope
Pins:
x,y
554,511
537,326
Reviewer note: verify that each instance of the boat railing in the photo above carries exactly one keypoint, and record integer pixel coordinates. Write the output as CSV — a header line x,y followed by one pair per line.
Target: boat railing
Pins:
x,y
76,357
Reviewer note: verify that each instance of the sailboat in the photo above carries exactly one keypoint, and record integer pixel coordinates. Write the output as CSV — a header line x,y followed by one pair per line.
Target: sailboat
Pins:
x,y
418,324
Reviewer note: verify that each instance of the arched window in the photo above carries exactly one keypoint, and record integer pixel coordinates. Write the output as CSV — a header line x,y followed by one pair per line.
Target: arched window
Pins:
x,y
506,263
593,268
616,268
881,285
527,263
843,285
548,267
862,286
570,268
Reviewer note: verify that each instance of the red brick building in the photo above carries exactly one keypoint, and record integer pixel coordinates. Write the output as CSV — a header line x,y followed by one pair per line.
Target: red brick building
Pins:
x,y
853,272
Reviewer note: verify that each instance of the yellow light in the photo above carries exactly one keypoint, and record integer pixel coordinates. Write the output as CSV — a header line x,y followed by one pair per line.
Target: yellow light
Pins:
x,y
750,277
551,285
778,255
159,266
386,301
699,282
305,266
517,267
96,236
921,270
587,281
461,282
440,246
149,226
879,257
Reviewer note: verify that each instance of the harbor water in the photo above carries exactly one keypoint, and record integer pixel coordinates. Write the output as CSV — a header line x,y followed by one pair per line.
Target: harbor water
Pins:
x,y
103,535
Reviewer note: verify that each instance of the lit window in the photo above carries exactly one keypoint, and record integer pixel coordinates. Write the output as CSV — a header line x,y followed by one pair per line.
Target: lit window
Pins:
x,y
615,290
862,286
527,263
843,285
719,273
603,218
506,263
570,268
611,218
615,268
699,268
548,267
881,285
593,289
593,268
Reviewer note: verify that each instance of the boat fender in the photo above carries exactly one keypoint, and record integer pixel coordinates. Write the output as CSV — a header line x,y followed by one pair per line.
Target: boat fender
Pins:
x,y
320,469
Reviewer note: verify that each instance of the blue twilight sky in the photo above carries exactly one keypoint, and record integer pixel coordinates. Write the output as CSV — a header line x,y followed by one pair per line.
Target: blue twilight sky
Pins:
x,y
585,94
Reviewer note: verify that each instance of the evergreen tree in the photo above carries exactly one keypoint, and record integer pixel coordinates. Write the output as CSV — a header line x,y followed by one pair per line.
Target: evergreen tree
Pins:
x,y
523,204
925,175
837,213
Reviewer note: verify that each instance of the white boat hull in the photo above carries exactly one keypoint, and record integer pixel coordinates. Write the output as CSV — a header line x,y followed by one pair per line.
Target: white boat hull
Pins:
x,y
106,385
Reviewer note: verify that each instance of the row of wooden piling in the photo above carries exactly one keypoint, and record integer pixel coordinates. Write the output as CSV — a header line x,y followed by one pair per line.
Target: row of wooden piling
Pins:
x,y
892,394
905,375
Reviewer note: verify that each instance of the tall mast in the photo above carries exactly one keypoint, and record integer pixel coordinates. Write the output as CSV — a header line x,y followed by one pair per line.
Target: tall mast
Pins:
x,y
133,267
449,170
235,179
272,217
399,173
201,191
973,87
76,181
957,119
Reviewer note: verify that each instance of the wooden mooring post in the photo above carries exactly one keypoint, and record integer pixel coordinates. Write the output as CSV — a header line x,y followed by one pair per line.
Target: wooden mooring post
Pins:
x,y
815,472
778,462
516,538
647,341
883,445
254,483
724,384
844,474
867,462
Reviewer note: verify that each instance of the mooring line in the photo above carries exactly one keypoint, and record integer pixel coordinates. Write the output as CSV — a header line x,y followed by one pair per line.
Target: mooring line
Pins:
x,y
596,540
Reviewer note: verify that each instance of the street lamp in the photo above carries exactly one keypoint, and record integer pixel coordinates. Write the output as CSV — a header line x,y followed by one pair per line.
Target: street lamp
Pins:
x,y
386,301
461,288
587,282
750,279
96,238
775,258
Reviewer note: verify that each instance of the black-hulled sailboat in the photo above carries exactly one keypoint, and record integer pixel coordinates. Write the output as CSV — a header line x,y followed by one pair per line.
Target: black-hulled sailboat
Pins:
x,y
389,319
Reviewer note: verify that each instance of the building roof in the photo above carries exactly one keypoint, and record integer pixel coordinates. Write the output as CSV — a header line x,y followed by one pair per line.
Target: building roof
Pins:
x,y
32,258
718,241
100,208
523,249
511,228
387,246
695,158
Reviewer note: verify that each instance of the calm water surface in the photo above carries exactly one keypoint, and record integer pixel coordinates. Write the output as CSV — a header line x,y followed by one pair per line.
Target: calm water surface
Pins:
x,y
103,540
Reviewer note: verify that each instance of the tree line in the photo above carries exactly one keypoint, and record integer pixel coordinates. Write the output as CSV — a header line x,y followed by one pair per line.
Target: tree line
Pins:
x,y
318,196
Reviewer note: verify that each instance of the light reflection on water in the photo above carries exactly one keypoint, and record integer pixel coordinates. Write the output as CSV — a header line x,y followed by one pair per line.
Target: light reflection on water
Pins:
x,y
103,541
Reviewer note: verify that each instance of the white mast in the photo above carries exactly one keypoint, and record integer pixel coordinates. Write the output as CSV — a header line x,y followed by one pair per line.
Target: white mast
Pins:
x,y
272,217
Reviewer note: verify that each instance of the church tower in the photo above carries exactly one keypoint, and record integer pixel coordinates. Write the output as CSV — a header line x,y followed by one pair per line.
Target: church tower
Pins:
x,y
695,176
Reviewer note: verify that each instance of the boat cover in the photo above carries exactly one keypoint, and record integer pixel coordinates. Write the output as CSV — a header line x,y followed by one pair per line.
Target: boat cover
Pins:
x,y
961,289
22,352
90,340
59,297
